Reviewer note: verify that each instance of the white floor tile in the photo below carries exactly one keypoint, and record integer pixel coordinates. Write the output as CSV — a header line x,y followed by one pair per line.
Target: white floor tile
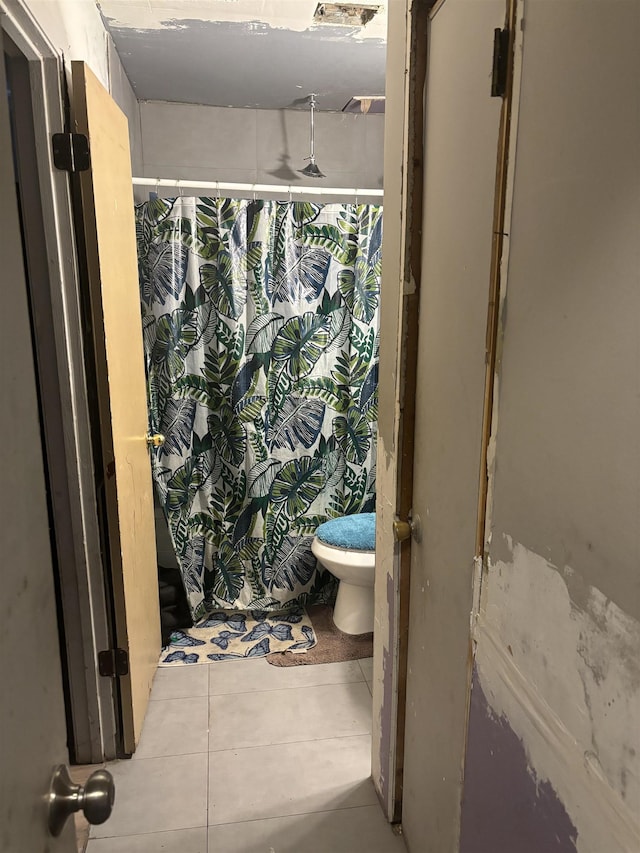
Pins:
x,y
245,676
285,716
178,841
358,830
366,665
174,727
177,682
156,795
286,779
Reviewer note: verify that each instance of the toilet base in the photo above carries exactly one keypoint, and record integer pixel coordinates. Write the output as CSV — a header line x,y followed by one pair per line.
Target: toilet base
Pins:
x,y
353,610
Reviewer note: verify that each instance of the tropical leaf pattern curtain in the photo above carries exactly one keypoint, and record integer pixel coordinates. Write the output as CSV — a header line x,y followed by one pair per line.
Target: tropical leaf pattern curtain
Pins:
x,y
261,326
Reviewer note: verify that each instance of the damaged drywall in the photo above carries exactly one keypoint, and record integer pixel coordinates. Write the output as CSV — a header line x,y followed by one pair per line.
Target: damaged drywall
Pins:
x,y
386,640
561,663
240,65
261,63
516,811
296,15
558,637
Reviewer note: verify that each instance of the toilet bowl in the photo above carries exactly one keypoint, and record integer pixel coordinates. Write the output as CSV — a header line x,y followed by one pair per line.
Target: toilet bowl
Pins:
x,y
346,547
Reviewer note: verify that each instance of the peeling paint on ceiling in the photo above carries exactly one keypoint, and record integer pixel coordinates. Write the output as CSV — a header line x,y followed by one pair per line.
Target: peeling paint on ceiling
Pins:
x,y
260,54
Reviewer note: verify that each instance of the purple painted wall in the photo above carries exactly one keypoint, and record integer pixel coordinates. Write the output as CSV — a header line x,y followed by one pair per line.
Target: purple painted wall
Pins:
x,y
505,808
386,733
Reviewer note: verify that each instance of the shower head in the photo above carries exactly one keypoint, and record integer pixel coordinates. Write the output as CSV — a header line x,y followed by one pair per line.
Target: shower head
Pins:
x,y
312,171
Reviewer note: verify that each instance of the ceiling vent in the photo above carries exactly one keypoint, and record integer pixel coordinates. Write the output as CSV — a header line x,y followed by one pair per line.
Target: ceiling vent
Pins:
x,y
344,14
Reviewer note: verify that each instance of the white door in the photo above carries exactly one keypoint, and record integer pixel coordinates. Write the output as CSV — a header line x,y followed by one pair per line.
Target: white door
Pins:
x,y
32,715
461,144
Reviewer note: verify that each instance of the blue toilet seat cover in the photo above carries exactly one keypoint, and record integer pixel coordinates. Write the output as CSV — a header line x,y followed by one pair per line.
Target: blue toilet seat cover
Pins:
x,y
352,532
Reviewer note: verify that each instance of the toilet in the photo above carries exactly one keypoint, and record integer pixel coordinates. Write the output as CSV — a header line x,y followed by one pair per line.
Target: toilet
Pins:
x,y
346,547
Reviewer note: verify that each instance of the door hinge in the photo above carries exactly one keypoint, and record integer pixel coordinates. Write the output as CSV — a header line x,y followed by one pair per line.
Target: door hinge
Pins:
x,y
71,152
113,662
500,63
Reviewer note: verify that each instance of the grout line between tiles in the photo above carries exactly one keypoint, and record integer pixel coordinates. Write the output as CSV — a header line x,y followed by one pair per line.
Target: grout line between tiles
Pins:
x,y
209,767
128,762
134,757
288,742
206,840
296,814
281,689
179,698
151,832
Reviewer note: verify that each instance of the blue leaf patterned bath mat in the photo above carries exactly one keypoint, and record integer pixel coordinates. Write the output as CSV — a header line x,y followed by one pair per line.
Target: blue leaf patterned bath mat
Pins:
x,y
230,635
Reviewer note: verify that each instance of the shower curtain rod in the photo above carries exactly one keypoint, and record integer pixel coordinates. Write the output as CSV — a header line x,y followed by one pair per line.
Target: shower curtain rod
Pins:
x,y
255,188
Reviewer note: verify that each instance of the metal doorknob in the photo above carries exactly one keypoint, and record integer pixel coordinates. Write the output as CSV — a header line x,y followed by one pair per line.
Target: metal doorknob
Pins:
x,y
95,800
401,530
405,529
155,440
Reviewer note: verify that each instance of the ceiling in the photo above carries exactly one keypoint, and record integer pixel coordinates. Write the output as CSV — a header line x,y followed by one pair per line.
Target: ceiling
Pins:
x,y
260,54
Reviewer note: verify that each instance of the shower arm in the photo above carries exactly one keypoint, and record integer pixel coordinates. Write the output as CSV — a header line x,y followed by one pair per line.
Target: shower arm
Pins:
x,y
312,158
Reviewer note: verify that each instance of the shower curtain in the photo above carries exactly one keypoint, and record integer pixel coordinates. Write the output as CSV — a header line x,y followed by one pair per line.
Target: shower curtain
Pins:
x,y
260,323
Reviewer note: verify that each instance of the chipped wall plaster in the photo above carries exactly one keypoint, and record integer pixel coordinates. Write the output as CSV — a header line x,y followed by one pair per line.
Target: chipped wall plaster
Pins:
x,y
517,811
230,64
294,15
265,55
558,640
562,663
568,441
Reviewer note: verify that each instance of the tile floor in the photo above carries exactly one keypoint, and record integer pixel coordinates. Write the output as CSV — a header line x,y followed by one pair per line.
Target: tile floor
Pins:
x,y
245,757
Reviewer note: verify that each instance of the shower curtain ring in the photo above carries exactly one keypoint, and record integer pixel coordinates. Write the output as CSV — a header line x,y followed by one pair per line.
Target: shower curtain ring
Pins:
x,y
290,194
218,190
254,191
157,187
356,196
179,186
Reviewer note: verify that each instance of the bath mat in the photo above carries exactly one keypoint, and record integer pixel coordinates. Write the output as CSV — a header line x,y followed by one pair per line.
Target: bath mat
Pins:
x,y
230,635
333,644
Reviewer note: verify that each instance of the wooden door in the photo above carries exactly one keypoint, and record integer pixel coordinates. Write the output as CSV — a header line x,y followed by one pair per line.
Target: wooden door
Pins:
x,y
33,731
461,146
109,230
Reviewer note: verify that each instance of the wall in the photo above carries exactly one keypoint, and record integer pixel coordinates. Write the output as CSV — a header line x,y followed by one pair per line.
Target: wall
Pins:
x,y
558,639
204,52
192,142
75,29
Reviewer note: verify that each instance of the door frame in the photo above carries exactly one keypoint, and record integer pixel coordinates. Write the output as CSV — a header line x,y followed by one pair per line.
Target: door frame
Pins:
x,y
32,710
404,155
83,604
